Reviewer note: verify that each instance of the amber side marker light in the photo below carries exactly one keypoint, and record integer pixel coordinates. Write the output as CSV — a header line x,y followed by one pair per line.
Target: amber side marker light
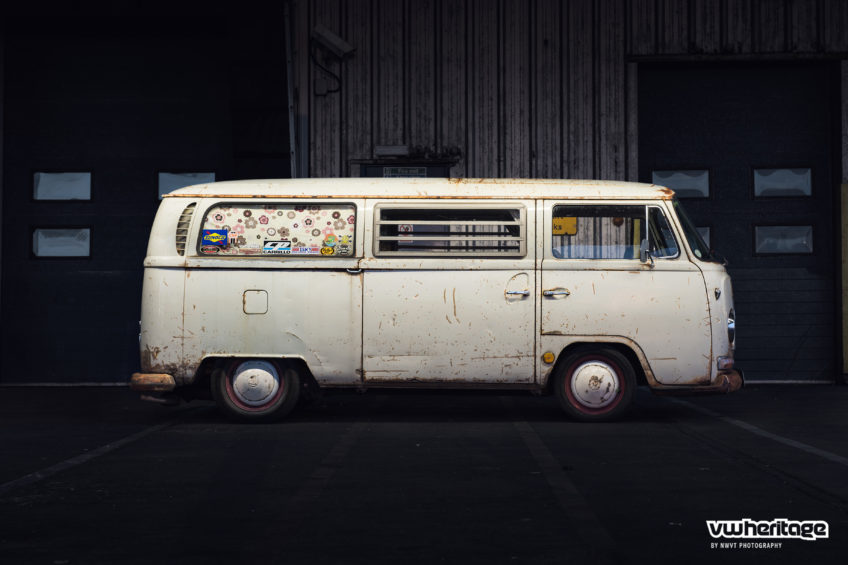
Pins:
x,y
548,357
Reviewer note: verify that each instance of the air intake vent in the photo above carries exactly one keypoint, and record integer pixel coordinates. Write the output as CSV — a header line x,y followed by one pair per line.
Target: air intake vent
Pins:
x,y
182,227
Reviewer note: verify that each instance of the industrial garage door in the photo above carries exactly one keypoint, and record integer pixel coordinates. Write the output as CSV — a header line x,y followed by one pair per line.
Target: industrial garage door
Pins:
x,y
750,149
97,125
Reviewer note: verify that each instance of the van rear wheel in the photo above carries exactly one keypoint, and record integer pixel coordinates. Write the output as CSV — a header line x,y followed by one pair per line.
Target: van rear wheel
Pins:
x,y
256,390
595,385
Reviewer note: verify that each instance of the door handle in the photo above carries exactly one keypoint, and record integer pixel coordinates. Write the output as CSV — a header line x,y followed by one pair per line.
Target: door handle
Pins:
x,y
556,292
518,293
353,271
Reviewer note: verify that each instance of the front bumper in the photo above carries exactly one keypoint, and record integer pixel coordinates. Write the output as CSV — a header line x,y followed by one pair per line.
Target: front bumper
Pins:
x,y
726,382
152,382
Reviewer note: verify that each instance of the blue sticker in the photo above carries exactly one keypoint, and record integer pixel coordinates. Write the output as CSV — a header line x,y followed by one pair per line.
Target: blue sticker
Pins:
x,y
214,237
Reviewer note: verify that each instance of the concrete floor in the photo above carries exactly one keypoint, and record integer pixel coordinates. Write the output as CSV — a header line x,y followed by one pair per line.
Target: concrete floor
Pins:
x,y
94,475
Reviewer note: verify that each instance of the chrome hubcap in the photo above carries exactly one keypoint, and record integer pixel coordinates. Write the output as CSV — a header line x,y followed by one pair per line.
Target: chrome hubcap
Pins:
x,y
595,384
256,382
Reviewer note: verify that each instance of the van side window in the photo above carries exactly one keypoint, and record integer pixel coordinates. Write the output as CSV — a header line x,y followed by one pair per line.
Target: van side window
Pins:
x,y
256,229
458,230
597,232
610,232
663,244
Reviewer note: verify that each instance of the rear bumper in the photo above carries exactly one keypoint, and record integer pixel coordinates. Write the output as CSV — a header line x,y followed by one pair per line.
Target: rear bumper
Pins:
x,y
152,382
726,382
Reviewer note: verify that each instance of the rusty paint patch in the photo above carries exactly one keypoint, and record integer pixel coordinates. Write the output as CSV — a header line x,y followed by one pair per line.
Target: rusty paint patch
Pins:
x,y
725,383
152,382
454,306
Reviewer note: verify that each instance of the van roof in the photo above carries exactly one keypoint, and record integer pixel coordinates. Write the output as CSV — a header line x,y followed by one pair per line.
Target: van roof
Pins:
x,y
447,188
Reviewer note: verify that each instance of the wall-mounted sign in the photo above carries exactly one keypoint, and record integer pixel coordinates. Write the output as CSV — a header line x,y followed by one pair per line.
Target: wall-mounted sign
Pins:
x,y
405,172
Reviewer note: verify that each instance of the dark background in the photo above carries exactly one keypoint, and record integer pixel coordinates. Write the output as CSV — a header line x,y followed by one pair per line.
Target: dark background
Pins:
x,y
508,88
123,92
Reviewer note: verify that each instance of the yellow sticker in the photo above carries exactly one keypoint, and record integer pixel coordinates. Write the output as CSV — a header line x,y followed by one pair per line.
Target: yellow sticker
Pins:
x,y
565,226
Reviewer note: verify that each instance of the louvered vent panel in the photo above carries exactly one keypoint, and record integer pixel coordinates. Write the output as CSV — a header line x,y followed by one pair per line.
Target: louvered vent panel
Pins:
x,y
182,227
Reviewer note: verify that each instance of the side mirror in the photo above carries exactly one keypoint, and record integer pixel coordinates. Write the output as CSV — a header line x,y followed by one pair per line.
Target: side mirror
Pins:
x,y
645,252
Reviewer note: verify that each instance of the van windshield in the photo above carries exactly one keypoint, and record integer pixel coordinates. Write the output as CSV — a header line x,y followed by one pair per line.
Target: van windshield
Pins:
x,y
701,250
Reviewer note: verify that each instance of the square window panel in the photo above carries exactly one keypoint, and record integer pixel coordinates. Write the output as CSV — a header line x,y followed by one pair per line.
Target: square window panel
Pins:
x,y
782,182
687,184
168,182
61,186
773,240
62,242
704,232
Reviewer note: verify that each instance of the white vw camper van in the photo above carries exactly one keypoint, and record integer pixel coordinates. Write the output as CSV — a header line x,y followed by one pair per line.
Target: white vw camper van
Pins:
x,y
257,290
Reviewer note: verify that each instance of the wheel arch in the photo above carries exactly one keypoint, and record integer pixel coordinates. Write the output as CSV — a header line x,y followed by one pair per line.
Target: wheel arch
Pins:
x,y
212,363
632,352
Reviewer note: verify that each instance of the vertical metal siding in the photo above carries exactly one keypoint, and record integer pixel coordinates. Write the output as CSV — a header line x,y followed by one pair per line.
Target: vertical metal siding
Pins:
x,y
525,88
706,27
611,92
834,26
769,19
844,88
736,27
579,79
453,59
514,141
391,110
642,27
673,28
325,110
485,95
547,90
357,84
803,26
421,63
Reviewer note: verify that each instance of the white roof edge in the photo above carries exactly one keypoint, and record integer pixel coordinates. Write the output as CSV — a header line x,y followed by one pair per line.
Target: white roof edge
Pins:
x,y
423,188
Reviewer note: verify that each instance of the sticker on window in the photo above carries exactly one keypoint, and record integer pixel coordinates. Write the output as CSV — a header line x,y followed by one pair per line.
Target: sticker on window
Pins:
x,y
565,226
282,247
214,237
281,230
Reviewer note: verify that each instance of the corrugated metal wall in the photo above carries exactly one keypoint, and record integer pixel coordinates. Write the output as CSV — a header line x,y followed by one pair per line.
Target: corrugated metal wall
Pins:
x,y
535,88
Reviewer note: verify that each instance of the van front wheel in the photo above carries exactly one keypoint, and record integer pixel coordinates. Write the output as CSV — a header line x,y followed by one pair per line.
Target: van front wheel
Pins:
x,y
594,385
256,389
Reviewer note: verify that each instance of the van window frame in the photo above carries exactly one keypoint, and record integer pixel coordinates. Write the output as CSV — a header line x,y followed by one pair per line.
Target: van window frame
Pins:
x,y
549,244
521,223
670,225
286,202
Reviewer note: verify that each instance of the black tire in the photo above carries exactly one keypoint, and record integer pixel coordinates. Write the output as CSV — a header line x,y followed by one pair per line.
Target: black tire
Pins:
x,y
256,390
595,384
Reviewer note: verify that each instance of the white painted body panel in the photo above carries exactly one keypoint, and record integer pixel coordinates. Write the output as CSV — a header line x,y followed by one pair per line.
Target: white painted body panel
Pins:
x,y
663,310
161,337
312,315
161,331
448,326
715,277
